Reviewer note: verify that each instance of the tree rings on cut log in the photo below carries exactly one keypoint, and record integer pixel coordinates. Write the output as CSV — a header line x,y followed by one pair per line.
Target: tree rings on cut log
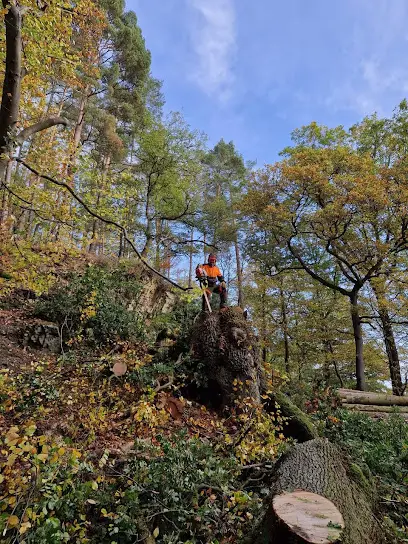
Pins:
x,y
313,519
119,368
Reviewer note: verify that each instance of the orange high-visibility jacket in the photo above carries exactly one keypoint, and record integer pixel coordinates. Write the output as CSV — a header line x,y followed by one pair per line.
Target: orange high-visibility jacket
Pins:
x,y
212,271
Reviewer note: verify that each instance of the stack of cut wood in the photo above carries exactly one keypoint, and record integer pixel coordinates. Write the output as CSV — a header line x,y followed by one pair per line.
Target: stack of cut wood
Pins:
x,y
376,405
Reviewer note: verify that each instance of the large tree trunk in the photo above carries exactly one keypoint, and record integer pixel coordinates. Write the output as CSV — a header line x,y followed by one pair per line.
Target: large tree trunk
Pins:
x,y
358,340
300,517
389,339
96,243
190,259
284,318
297,425
263,325
224,342
76,139
239,274
158,238
330,349
149,237
5,193
320,467
10,100
392,352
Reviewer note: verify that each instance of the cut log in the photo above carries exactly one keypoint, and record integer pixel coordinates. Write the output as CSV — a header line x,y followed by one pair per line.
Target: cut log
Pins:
x,y
383,415
345,393
382,399
308,518
375,408
320,467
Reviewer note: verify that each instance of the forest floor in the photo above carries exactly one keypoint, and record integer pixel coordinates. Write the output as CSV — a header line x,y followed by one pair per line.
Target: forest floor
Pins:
x,y
78,396
96,453
90,434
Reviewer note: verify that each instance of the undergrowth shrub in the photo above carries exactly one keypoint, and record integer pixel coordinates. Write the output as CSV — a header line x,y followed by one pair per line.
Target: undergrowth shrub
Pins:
x,y
26,266
178,323
380,448
95,306
180,490
176,359
189,492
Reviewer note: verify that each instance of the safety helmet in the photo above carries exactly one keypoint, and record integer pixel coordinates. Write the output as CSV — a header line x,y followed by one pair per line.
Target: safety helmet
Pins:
x,y
212,259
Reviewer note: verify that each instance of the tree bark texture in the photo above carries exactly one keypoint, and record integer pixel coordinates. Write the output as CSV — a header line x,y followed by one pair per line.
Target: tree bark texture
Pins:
x,y
389,341
263,327
12,78
320,467
225,343
190,259
358,340
96,244
239,274
284,328
76,138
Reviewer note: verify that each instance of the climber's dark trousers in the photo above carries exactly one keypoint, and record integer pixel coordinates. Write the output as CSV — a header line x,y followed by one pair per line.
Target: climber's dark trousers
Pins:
x,y
219,291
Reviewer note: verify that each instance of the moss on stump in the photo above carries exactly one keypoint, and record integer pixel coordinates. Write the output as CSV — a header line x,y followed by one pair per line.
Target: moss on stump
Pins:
x,y
298,425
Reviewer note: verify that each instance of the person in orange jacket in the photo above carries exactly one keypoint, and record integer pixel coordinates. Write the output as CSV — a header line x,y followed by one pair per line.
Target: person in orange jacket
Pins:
x,y
208,274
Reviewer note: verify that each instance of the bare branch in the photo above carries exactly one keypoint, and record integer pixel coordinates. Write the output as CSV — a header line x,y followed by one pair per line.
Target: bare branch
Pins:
x,y
283,270
186,242
314,275
165,386
103,219
179,215
49,122
29,208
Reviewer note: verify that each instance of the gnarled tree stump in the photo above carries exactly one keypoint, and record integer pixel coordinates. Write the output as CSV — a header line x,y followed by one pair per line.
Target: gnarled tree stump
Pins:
x,y
225,343
227,347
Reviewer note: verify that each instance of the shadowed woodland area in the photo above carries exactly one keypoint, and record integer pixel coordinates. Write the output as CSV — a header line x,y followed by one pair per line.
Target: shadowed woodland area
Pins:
x,y
127,413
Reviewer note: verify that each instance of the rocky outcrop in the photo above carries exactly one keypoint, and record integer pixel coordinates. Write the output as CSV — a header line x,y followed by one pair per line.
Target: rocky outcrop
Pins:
x,y
155,297
42,336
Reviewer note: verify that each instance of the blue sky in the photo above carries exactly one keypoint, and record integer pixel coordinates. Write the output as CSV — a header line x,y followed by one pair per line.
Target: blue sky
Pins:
x,y
252,71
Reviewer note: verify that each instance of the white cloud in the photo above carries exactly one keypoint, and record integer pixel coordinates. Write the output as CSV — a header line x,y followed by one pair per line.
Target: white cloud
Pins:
x,y
213,37
373,72
370,88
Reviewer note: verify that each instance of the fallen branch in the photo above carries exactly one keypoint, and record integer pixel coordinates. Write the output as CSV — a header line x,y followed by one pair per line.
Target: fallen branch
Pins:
x,y
164,386
258,465
101,218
